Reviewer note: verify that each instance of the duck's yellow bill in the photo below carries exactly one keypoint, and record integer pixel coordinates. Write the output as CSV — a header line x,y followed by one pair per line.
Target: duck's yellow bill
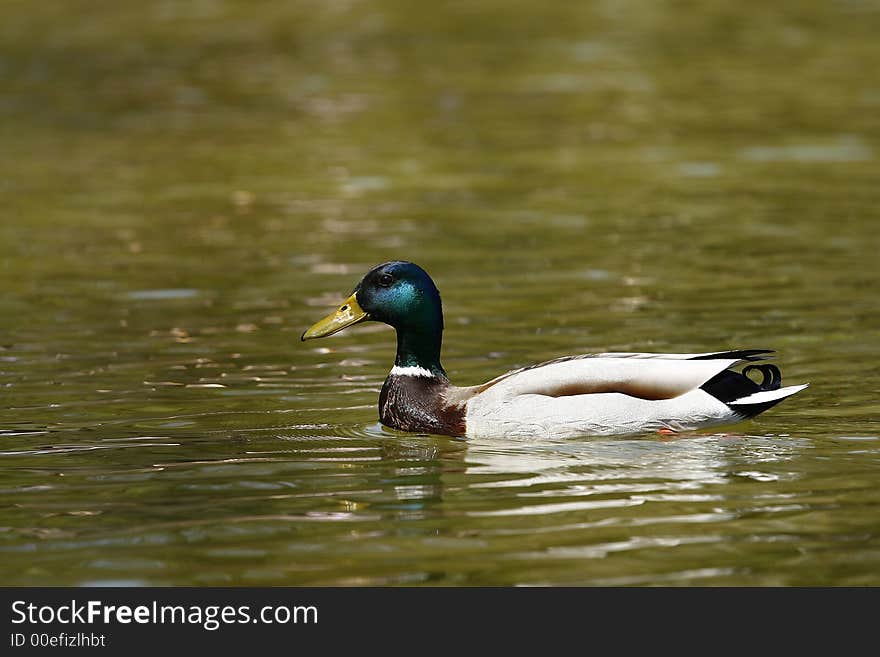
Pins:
x,y
347,314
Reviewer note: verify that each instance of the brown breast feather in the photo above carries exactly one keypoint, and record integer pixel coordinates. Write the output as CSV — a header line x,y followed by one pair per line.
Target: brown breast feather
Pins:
x,y
419,404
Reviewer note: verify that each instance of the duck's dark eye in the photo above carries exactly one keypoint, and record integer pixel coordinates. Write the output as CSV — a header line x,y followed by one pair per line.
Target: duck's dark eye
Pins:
x,y
385,280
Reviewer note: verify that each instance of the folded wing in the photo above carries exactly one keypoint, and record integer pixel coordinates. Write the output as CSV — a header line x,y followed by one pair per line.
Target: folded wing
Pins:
x,y
644,376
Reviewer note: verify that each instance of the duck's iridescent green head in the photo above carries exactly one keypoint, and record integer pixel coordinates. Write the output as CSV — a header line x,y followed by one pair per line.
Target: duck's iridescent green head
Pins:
x,y
402,295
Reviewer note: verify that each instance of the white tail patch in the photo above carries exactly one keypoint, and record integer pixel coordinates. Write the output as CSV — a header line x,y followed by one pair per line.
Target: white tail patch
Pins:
x,y
410,370
768,395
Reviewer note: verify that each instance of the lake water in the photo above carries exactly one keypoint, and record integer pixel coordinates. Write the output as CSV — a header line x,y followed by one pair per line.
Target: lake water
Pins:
x,y
187,186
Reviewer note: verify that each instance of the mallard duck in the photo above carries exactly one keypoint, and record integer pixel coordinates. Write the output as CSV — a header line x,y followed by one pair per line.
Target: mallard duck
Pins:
x,y
591,394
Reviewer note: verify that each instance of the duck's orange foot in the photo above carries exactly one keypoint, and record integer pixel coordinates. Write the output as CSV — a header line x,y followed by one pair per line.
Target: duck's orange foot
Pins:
x,y
665,432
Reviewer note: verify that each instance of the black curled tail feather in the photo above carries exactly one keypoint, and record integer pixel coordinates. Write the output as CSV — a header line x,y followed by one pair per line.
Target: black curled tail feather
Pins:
x,y
730,386
771,376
